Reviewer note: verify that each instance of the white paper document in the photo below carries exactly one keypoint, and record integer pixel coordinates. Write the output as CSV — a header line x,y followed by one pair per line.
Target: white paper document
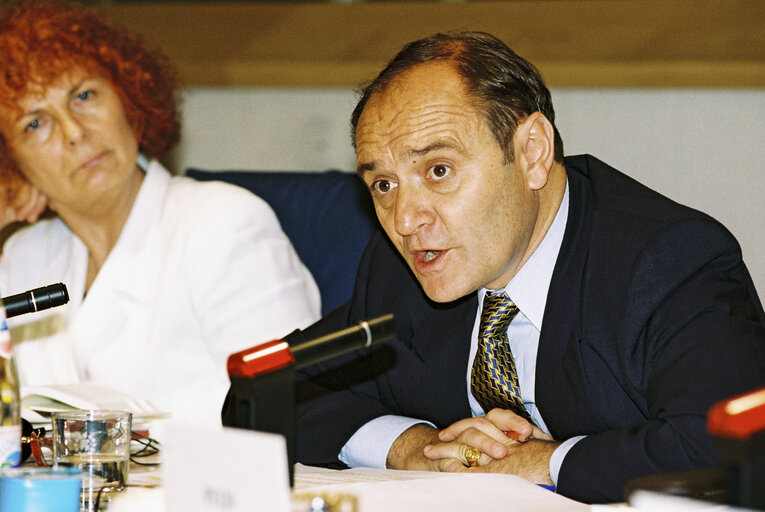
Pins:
x,y
233,470
386,490
38,402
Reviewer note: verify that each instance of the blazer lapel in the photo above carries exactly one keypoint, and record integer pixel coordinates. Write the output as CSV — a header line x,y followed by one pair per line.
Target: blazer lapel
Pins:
x,y
436,362
128,277
560,378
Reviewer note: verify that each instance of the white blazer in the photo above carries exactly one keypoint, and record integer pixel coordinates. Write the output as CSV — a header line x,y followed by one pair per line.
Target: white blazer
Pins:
x,y
201,270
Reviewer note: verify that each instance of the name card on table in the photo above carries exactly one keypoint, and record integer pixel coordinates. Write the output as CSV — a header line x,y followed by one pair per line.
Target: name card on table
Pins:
x,y
223,469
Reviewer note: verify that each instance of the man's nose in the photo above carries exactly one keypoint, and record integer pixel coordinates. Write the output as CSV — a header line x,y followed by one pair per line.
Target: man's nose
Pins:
x,y
413,211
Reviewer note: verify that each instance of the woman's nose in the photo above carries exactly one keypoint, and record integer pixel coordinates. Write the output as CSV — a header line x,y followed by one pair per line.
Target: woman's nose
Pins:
x,y
74,131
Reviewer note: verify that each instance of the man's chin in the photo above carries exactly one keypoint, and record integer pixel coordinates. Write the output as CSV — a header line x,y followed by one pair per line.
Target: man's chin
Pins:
x,y
438,292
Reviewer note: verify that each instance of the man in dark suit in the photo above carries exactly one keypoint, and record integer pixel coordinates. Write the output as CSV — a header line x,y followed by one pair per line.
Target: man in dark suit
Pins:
x,y
554,298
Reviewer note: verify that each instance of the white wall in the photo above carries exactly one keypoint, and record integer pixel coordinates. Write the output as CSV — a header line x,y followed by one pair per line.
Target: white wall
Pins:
x,y
704,148
267,129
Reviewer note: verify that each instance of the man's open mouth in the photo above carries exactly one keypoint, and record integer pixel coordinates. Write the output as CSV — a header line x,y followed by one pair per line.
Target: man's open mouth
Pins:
x,y
431,255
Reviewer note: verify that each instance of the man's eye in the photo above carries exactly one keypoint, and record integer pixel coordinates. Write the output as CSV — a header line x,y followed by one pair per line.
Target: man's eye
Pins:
x,y
440,171
382,186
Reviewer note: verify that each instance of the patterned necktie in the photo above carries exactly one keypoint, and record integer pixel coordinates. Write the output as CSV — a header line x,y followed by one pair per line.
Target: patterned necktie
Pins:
x,y
493,379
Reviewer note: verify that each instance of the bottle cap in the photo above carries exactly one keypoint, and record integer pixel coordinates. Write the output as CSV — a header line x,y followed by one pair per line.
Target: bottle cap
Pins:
x,y
40,489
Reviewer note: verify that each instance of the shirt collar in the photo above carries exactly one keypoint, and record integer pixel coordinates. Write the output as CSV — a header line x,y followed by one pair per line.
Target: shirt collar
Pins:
x,y
132,262
528,289
146,209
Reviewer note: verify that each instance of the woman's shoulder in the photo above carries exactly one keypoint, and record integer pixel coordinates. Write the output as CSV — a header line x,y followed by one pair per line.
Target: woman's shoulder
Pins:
x,y
183,188
215,201
31,249
44,236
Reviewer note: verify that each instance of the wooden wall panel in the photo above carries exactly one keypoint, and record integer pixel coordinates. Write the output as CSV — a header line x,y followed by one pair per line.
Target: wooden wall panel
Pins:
x,y
590,43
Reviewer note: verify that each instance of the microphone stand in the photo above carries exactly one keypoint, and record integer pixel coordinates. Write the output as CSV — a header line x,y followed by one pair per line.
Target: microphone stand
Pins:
x,y
262,395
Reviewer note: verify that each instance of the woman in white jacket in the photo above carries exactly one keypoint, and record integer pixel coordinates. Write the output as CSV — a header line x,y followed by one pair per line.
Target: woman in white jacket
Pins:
x,y
166,276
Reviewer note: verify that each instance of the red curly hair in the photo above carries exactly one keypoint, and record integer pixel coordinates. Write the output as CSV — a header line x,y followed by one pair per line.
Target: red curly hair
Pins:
x,y
41,40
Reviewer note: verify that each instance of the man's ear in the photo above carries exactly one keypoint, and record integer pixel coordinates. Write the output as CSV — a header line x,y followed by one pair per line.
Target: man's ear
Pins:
x,y
534,142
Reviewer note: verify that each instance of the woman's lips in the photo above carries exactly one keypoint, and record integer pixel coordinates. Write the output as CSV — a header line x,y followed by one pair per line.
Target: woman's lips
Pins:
x,y
92,162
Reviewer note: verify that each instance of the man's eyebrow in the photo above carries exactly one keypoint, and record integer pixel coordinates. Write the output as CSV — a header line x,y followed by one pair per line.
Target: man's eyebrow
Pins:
x,y
361,169
417,152
441,144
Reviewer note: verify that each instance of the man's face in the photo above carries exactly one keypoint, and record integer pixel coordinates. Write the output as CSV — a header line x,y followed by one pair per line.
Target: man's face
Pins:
x,y
458,212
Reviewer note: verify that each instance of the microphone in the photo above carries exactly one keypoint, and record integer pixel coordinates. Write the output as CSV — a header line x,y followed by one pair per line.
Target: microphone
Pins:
x,y
359,336
262,394
276,354
38,299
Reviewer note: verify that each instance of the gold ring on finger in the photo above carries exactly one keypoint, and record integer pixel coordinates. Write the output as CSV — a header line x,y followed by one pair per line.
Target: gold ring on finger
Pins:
x,y
472,455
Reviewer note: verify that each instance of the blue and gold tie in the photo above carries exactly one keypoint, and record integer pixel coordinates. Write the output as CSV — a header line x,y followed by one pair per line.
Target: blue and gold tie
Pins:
x,y
493,379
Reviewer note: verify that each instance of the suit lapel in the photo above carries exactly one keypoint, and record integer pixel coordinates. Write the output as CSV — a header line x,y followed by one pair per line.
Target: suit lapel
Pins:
x,y
432,345
438,352
560,378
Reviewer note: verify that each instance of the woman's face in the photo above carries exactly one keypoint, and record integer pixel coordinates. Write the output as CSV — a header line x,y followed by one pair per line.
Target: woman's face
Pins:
x,y
73,142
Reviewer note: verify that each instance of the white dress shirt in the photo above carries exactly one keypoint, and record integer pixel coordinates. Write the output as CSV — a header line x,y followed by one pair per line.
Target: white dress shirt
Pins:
x,y
200,270
369,445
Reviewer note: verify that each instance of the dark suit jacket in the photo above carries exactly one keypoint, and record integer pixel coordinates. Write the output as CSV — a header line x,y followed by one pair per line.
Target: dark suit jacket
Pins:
x,y
651,317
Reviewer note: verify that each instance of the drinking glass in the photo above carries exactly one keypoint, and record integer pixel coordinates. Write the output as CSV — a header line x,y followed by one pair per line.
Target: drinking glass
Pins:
x,y
98,444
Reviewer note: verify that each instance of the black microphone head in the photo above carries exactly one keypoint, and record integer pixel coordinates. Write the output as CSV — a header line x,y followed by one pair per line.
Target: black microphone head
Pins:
x,y
36,300
51,296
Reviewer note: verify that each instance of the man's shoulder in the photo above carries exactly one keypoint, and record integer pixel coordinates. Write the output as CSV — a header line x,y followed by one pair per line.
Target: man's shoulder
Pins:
x,y
616,196
637,237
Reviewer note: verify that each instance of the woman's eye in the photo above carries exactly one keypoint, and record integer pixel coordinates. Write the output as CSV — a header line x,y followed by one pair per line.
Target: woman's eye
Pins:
x,y
440,171
85,95
32,126
383,186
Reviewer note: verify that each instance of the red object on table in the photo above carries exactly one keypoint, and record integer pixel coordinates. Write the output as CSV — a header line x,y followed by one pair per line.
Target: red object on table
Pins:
x,y
739,417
